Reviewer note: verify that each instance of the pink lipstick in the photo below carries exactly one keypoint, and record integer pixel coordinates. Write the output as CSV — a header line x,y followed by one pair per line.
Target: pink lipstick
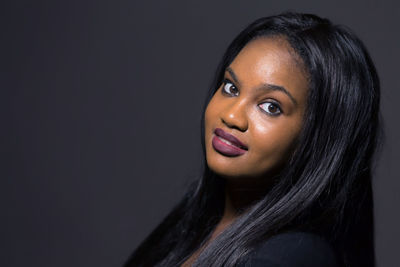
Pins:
x,y
227,144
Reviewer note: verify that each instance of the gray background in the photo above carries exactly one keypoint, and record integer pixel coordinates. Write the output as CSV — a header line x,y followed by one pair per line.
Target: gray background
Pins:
x,y
100,114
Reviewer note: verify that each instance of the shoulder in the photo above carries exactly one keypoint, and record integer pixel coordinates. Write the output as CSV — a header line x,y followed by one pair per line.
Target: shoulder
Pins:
x,y
293,249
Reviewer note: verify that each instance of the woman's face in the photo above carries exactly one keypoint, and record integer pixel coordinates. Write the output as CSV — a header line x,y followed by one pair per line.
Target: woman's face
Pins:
x,y
255,116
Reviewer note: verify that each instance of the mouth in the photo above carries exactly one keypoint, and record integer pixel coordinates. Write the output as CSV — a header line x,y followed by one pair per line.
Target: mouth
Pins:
x,y
227,144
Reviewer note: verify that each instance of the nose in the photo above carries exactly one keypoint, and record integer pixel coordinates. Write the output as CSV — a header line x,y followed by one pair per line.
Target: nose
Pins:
x,y
235,116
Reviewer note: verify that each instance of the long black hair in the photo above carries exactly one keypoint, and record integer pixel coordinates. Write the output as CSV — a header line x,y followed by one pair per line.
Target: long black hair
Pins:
x,y
325,188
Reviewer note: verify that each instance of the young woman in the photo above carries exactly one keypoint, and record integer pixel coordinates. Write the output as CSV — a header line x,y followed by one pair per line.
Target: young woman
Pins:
x,y
289,131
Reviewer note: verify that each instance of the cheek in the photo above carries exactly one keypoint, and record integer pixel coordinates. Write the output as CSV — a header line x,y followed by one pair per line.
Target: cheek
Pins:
x,y
207,119
210,116
211,112
274,141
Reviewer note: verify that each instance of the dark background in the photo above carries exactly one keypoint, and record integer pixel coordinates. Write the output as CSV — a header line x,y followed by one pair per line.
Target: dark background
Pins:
x,y
100,113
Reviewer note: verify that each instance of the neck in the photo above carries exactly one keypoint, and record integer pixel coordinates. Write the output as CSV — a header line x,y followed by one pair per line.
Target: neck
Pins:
x,y
240,196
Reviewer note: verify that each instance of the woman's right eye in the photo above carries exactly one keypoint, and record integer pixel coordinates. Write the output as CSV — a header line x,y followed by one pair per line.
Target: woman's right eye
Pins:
x,y
229,88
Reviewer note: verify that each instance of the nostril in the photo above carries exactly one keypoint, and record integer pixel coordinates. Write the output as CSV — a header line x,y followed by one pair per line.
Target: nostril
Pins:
x,y
235,122
234,126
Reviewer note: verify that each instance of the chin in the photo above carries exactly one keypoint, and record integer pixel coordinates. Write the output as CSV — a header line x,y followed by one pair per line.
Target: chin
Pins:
x,y
232,171
223,170
229,170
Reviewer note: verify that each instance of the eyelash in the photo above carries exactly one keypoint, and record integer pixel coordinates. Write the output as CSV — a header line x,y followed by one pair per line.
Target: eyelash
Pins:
x,y
270,102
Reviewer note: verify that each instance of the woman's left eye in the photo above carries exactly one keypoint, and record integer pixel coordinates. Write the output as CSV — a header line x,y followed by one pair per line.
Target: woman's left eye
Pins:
x,y
271,108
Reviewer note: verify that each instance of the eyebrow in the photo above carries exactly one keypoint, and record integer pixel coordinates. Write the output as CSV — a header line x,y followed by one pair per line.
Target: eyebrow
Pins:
x,y
268,86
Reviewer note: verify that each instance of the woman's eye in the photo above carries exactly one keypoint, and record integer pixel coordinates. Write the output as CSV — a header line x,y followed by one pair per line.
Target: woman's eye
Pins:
x,y
271,108
230,89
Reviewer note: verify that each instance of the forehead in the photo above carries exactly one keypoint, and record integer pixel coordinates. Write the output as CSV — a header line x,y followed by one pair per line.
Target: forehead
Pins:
x,y
270,60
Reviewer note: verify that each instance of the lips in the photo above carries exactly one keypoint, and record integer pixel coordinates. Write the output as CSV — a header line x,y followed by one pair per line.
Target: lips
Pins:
x,y
227,144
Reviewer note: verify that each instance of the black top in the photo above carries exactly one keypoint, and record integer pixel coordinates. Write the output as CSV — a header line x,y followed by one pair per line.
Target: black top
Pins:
x,y
295,249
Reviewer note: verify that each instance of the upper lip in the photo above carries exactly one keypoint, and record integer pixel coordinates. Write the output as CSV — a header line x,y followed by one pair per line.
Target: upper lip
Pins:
x,y
230,138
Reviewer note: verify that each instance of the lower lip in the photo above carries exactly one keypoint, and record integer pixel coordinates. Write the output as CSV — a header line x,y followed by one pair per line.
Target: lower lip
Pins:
x,y
226,149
